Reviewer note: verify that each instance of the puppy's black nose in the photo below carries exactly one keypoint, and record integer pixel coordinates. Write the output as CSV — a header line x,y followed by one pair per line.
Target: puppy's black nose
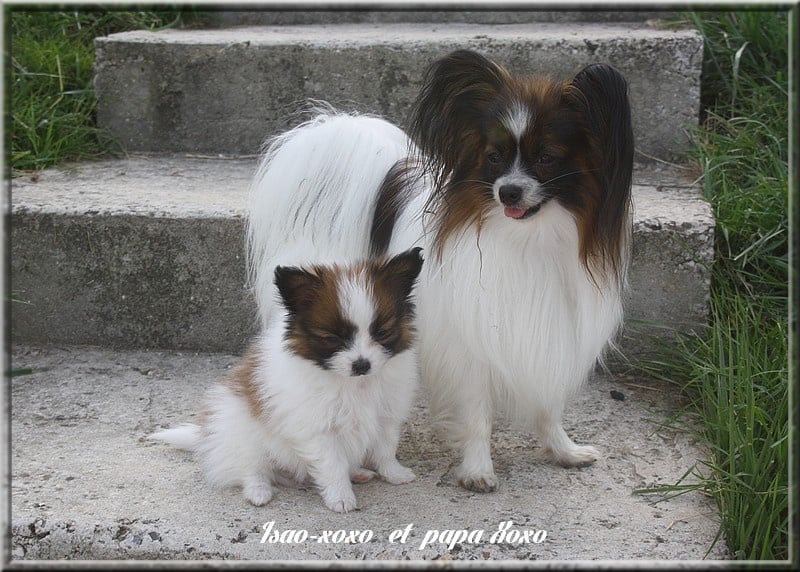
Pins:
x,y
361,366
510,194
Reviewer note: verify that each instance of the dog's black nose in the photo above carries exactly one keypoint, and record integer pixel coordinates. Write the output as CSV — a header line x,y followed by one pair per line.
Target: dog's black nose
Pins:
x,y
510,194
361,366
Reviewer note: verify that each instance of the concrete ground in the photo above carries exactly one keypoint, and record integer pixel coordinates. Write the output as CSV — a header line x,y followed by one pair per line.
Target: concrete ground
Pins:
x,y
87,484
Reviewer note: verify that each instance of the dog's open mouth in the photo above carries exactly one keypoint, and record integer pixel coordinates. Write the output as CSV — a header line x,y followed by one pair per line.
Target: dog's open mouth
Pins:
x,y
520,214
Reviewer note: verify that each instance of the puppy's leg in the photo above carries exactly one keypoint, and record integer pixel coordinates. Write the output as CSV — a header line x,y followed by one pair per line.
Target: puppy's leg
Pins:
x,y
384,455
558,447
329,468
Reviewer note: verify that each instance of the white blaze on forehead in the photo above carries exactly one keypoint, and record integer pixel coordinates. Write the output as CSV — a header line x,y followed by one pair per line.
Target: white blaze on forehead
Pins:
x,y
358,306
517,119
356,300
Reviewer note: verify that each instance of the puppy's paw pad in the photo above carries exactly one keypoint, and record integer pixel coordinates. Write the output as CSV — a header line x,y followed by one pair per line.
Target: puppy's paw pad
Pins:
x,y
361,476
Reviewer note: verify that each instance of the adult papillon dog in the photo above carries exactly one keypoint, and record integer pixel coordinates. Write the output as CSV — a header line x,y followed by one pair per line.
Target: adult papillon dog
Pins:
x,y
323,392
519,190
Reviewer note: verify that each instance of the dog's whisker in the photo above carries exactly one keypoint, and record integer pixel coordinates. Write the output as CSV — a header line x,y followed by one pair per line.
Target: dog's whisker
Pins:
x,y
578,172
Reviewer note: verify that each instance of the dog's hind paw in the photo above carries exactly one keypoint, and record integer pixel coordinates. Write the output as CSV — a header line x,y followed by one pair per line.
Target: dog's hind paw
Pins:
x,y
575,456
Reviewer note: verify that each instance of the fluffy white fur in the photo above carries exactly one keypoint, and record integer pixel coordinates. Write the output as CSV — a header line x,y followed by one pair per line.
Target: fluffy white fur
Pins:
x,y
307,203
325,424
508,317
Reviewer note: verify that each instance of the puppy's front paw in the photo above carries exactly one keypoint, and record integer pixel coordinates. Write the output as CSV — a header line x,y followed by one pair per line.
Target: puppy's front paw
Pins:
x,y
345,503
257,493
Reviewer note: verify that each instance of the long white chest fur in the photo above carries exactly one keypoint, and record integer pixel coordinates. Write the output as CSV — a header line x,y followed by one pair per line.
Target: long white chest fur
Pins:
x,y
510,310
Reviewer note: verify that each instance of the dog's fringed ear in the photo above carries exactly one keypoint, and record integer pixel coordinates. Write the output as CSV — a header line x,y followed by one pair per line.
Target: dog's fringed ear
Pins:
x,y
600,93
456,91
297,287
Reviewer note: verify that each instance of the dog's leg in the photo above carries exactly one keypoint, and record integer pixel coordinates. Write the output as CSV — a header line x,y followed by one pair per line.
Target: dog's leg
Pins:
x,y
462,403
472,413
476,472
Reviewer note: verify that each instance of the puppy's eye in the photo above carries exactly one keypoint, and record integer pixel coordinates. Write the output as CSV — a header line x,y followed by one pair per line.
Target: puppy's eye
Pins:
x,y
326,338
384,334
546,159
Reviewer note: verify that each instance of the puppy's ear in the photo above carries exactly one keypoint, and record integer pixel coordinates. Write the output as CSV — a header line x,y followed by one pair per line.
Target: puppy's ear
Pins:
x,y
600,94
400,272
297,287
456,92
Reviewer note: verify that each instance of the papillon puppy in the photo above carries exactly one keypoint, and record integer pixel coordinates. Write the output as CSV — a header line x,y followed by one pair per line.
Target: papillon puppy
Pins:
x,y
519,187
323,392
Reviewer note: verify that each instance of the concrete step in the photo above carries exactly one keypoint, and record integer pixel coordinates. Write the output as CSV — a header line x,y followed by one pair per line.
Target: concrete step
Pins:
x,y
148,252
305,17
87,484
225,90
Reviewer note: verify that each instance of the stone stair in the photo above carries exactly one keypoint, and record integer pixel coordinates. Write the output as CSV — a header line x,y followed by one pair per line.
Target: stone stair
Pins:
x,y
224,90
147,251
142,257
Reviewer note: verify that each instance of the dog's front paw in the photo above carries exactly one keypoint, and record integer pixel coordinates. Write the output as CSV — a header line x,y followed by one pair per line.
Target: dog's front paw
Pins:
x,y
479,483
397,474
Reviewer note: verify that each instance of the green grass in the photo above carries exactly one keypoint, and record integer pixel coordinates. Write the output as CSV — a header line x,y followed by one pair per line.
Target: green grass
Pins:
x,y
735,374
52,103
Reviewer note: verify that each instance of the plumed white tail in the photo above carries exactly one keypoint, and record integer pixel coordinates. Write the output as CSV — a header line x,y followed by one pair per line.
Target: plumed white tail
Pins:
x,y
313,195
185,436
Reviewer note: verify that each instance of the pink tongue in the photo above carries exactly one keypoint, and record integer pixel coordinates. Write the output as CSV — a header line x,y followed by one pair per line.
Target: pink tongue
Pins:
x,y
514,213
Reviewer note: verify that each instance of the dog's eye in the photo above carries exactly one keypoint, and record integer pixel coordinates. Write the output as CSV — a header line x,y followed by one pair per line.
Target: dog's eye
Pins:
x,y
494,158
546,159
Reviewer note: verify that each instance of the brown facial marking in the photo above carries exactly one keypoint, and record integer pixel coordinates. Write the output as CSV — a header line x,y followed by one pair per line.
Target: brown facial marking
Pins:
x,y
316,328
